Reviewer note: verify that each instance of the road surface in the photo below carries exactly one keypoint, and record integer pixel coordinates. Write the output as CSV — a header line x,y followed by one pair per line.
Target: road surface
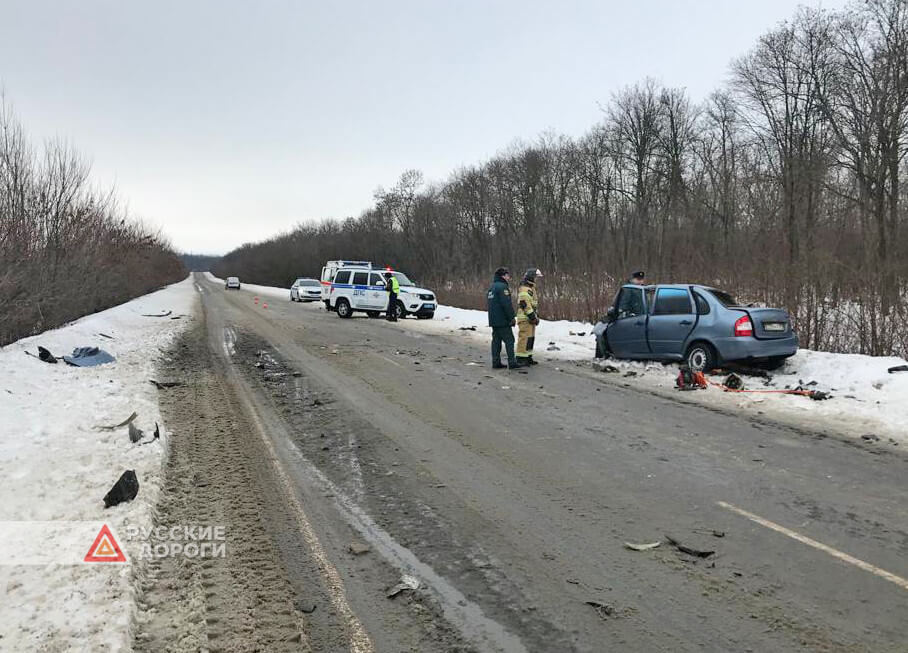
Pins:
x,y
509,496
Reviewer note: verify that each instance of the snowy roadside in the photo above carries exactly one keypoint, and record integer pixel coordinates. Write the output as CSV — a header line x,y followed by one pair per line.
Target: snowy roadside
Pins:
x,y
866,399
57,467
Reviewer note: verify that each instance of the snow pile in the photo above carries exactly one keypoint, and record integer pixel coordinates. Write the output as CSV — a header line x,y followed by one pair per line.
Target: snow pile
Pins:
x,y
866,398
57,467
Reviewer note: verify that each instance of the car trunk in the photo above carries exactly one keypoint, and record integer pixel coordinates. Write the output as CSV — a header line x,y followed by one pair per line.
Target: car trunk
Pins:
x,y
769,323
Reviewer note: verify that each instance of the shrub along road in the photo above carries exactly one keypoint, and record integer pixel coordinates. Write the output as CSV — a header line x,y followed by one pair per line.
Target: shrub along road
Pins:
x,y
510,497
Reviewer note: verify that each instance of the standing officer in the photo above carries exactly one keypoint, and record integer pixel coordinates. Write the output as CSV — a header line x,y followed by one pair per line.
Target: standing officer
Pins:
x,y
393,286
501,319
527,318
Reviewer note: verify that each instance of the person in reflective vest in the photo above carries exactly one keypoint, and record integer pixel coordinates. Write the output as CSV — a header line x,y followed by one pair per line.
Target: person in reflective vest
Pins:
x,y
527,317
393,287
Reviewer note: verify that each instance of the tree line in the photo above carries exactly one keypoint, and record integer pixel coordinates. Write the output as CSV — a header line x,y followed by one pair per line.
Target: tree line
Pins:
x,y
784,186
66,248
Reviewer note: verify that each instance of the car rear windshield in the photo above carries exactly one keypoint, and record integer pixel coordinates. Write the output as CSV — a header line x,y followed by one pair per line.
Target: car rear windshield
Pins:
x,y
724,298
309,282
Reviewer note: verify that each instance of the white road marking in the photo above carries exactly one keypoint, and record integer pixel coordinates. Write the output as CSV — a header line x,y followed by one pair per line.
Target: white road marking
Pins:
x,y
390,361
835,553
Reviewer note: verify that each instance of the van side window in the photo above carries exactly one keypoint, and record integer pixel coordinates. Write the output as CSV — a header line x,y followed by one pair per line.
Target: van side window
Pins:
x,y
360,278
342,277
702,304
672,301
376,280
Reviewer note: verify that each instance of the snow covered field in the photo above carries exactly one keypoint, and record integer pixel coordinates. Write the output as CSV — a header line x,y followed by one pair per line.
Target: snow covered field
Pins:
x,y
56,466
867,400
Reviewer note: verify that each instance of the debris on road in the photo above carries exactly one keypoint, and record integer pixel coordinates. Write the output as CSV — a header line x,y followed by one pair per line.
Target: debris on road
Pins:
x,y
468,328
120,425
709,531
43,355
407,583
733,382
358,548
135,433
870,437
160,385
699,553
125,489
630,373
157,314
88,357
104,335
602,366
642,547
604,610
307,607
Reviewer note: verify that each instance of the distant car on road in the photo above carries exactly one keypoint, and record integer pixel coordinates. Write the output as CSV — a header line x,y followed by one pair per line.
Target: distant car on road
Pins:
x,y
306,290
699,325
232,282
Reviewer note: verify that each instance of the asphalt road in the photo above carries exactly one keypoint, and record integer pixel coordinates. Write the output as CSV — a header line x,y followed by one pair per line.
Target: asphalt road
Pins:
x,y
510,497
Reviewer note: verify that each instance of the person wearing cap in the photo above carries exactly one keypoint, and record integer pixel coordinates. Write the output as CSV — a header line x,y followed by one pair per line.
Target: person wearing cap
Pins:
x,y
631,303
393,287
527,317
501,319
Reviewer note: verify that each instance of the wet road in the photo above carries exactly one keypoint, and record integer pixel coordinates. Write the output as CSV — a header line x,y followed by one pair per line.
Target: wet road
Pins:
x,y
510,497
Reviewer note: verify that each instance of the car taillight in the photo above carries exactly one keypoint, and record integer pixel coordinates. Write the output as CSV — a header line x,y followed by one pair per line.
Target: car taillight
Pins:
x,y
744,327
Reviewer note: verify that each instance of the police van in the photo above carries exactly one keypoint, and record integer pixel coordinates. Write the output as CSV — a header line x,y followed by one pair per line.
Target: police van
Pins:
x,y
357,286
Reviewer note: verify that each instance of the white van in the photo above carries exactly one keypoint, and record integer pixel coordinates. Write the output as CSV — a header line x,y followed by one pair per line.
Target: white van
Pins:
x,y
330,269
364,289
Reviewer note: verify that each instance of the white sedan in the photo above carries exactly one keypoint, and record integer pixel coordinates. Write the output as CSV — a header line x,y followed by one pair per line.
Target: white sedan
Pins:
x,y
306,290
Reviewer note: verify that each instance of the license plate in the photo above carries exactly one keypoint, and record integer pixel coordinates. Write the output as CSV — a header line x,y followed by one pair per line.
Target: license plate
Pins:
x,y
774,326
430,306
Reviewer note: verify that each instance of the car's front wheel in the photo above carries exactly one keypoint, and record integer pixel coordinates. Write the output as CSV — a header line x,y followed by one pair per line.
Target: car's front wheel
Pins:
x,y
399,311
343,308
701,357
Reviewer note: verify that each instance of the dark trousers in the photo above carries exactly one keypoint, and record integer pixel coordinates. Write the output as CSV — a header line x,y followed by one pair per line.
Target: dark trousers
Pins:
x,y
392,307
506,336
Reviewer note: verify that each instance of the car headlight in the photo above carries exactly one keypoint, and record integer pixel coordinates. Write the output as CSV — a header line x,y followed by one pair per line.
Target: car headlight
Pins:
x,y
426,297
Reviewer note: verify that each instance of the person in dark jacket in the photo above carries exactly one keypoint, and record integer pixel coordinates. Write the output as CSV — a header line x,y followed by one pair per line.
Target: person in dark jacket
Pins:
x,y
501,319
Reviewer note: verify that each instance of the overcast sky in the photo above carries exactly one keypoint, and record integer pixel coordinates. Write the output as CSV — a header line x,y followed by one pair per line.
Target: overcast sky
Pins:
x,y
226,122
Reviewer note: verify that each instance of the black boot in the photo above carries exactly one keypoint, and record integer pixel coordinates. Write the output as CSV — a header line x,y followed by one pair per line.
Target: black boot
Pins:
x,y
498,365
530,360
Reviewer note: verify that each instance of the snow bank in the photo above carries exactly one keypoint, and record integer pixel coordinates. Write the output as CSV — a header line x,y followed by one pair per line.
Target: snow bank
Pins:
x,y
866,398
57,467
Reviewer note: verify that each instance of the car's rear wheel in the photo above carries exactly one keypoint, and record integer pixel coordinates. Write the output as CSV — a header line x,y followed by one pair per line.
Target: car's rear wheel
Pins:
x,y
343,308
701,357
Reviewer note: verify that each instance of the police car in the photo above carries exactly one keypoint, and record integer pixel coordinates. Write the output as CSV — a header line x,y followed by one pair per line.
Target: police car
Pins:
x,y
357,286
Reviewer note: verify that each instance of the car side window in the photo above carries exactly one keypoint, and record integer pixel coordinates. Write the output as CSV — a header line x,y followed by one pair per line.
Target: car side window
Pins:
x,y
672,301
376,280
360,278
342,277
702,304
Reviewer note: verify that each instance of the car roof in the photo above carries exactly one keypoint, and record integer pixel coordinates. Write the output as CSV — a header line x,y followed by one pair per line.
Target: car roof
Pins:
x,y
680,286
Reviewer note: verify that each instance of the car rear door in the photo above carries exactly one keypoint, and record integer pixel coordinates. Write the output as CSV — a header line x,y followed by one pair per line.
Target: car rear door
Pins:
x,y
360,290
627,334
670,322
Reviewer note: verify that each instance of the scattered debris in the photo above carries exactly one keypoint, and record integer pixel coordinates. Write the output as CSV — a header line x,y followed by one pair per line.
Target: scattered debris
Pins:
x,y
307,607
602,609
120,425
160,385
630,373
43,355
125,489
407,583
553,347
709,531
157,314
699,553
580,333
88,357
135,433
733,382
870,437
467,328
898,368
602,366
358,548
104,335
642,547
156,436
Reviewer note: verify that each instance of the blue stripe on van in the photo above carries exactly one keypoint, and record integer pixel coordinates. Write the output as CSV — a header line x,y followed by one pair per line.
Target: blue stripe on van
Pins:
x,y
349,285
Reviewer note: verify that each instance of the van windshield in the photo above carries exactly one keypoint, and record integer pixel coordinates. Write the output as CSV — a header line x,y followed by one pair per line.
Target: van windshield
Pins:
x,y
403,279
